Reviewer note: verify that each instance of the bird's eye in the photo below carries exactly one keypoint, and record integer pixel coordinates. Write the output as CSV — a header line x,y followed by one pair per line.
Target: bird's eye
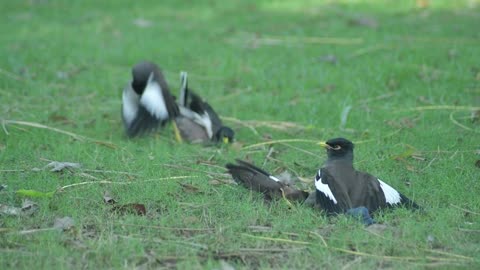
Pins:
x,y
337,147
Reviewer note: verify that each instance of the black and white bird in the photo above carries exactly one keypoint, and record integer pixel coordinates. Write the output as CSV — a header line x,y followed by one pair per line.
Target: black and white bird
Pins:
x,y
199,123
147,103
261,181
340,187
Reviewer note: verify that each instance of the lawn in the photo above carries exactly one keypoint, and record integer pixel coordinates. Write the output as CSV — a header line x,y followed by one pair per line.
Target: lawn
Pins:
x,y
399,78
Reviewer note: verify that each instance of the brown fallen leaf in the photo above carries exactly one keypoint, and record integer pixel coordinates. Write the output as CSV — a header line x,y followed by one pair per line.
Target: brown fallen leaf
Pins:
x,y
58,166
328,58
365,22
190,188
29,207
107,198
6,210
63,224
54,117
131,208
142,23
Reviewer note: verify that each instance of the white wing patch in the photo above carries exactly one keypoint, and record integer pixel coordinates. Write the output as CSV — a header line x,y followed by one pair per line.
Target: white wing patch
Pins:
x,y
203,120
207,123
183,87
391,195
274,178
153,101
130,101
324,188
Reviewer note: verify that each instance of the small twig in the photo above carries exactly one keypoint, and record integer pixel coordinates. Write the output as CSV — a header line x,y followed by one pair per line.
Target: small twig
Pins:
x,y
300,149
440,107
469,230
380,97
190,169
61,189
111,171
454,121
232,95
376,139
4,127
68,133
168,228
36,230
367,50
10,75
237,121
276,239
270,151
429,164
191,244
321,238
464,210
279,141
423,249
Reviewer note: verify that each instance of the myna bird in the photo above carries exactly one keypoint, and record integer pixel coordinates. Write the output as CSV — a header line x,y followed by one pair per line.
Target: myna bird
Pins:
x,y
147,103
198,121
340,187
259,180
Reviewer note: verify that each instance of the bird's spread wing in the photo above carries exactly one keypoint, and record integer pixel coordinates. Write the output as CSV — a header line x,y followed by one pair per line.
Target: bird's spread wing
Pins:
x,y
257,179
130,103
395,198
153,101
324,194
253,178
143,122
190,130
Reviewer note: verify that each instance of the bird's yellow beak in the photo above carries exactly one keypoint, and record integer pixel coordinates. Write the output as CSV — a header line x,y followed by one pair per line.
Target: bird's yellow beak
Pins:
x,y
226,140
323,144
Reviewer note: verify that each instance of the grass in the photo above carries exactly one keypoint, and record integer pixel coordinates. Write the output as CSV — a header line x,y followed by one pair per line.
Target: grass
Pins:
x,y
63,65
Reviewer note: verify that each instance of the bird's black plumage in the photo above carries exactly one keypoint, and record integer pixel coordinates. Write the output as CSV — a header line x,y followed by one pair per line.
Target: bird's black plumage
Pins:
x,y
339,186
199,112
146,101
259,180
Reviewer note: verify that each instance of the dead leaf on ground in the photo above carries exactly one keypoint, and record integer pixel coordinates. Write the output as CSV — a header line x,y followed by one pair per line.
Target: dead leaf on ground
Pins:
x,y
6,210
328,88
131,208
328,58
376,228
364,21
216,182
429,74
259,228
58,166
54,117
475,116
64,223
224,265
29,207
402,123
190,188
287,178
142,23
107,198
422,3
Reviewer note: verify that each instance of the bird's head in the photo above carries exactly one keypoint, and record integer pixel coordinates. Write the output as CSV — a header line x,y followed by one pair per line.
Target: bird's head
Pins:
x,y
338,147
225,135
142,73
